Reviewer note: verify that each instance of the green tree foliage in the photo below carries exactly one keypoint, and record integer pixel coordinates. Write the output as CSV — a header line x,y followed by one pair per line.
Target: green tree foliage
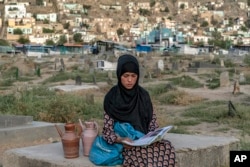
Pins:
x,y
77,37
66,25
23,40
247,60
18,31
39,2
62,40
47,30
243,28
166,9
88,7
182,6
45,21
204,24
216,35
4,42
120,31
49,42
152,3
144,12
214,22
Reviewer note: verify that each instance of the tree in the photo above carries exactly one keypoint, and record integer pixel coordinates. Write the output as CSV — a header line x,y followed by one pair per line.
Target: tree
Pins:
x,y
39,2
62,40
152,3
166,9
182,6
120,31
77,37
4,42
243,28
49,42
216,35
47,30
45,21
144,12
204,24
66,25
213,21
247,60
23,40
17,31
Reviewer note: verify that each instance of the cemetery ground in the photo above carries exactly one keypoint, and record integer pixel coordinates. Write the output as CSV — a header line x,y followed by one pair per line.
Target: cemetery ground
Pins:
x,y
194,103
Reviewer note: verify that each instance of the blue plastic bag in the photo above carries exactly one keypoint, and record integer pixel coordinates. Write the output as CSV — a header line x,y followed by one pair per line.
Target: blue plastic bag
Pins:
x,y
105,154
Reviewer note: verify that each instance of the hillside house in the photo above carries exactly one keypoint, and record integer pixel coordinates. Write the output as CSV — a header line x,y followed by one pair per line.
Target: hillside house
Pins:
x,y
24,24
111,6
105,65
15,11
71,8
143,5
51,17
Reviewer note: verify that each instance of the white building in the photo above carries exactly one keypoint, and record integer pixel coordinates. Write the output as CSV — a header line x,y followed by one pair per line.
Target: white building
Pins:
x,y
15,11
52,17
105,65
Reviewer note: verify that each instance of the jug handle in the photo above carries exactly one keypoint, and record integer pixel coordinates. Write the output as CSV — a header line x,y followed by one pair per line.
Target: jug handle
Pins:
x,y
82,126
59,130
79,129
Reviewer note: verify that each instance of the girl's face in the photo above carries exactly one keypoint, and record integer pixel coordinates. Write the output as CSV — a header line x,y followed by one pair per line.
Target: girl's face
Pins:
x,y
128,79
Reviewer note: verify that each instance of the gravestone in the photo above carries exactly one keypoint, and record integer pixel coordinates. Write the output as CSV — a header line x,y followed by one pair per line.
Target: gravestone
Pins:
x,y
224,79
110,74
142,74
78,80
7,121
91,70
242,78
160,65
222,63
175,66
62,65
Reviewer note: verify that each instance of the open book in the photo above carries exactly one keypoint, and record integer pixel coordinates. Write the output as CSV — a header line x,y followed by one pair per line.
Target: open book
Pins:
x,y
150,138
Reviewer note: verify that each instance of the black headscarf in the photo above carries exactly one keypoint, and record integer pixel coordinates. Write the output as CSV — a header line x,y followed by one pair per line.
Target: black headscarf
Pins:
x,y
134,105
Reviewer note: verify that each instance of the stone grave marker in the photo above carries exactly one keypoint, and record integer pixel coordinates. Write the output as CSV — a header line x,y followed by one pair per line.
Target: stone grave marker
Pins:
x,y
222,63
110,74
242,78
62,65
224,79
78,80
160,65
142,74
175,66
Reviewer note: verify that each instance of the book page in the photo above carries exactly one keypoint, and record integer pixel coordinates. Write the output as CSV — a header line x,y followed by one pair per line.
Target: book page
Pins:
x,y
151,137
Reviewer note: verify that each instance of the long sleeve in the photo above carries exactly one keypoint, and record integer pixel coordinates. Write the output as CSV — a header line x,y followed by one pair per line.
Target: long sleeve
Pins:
x,y
108,129
153,124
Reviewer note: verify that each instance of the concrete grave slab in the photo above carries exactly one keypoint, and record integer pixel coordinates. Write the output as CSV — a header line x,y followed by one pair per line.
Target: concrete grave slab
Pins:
x,y
14,120
191,151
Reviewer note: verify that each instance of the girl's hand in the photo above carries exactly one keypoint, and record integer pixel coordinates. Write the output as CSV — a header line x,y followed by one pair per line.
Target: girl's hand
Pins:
x,y
125,145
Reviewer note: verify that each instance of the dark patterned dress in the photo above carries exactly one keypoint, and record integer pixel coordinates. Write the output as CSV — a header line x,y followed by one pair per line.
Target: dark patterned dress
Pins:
x,y
159,154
